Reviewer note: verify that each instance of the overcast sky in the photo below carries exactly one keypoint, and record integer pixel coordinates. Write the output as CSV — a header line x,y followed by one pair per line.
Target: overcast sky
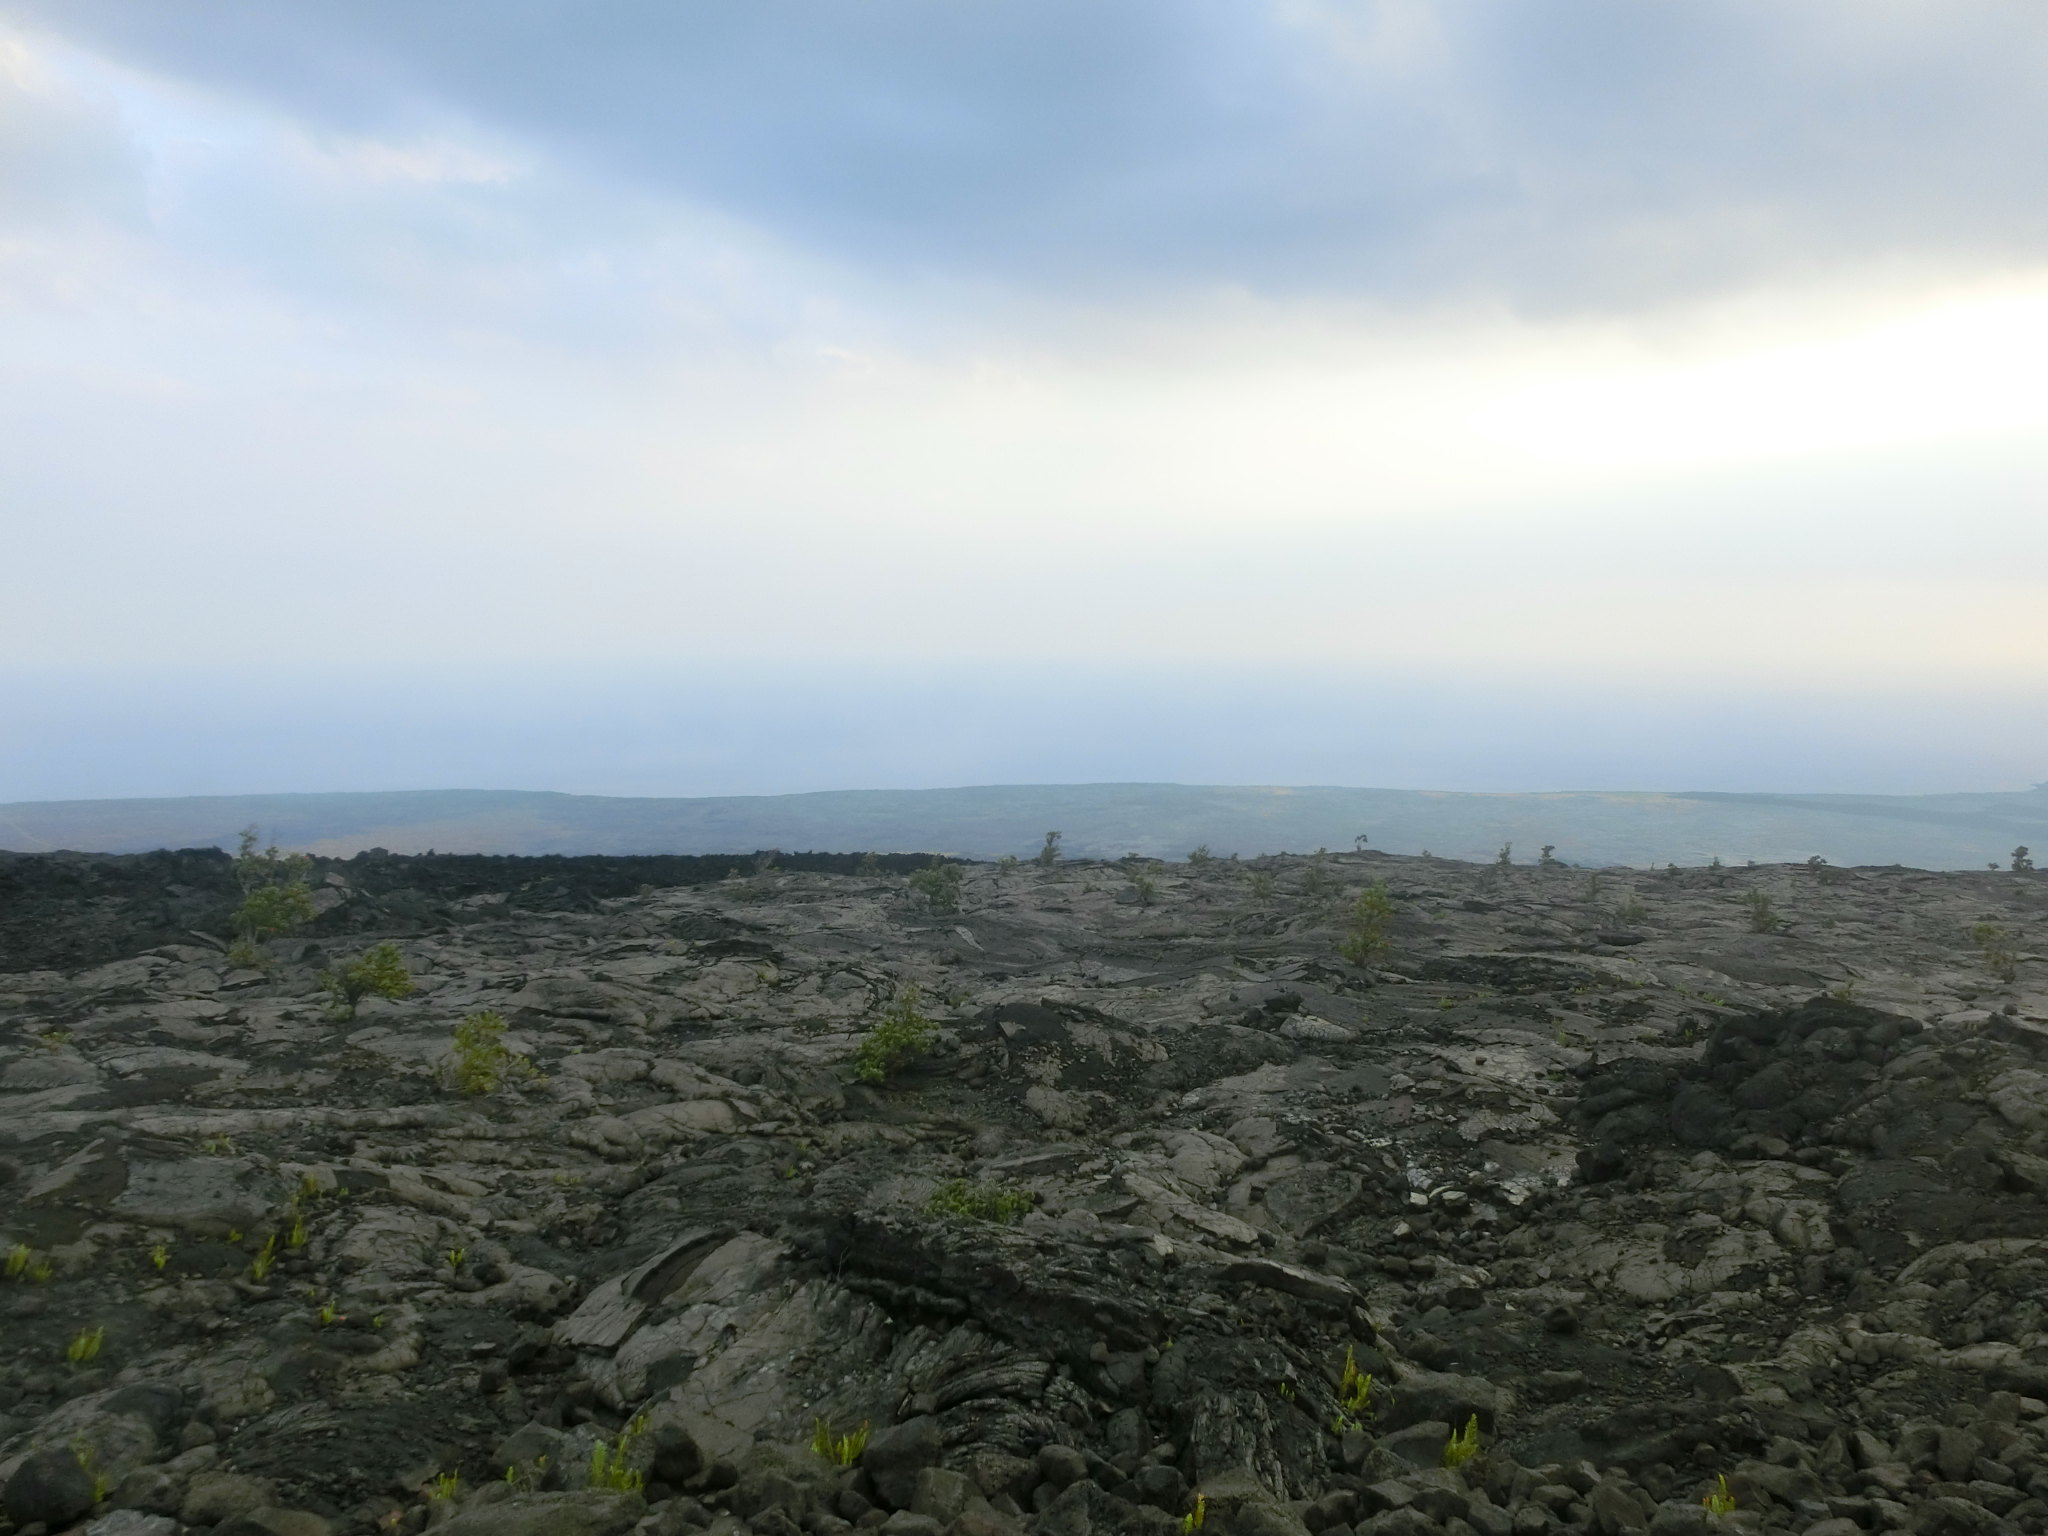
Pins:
x,y
1685,362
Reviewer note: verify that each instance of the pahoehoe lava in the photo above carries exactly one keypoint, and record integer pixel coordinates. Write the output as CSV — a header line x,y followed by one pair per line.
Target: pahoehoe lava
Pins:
x,y
1663,1208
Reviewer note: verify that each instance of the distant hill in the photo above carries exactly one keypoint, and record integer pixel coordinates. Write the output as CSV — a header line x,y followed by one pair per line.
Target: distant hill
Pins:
x,y
1959,831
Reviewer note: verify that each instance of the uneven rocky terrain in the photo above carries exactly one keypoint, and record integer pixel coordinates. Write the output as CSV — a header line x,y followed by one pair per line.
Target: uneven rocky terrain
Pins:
x,y
1579,1162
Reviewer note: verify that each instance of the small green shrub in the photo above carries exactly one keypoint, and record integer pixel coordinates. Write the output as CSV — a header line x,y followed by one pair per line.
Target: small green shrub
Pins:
x,y
1195,1518
1366,939
2022,860
480,1063
938,886
1201,857
276,897
378,972
1720,1499
898,1038
980,1200
1317,883
1995,945
1547,858
841,1450
611,1466
1049,855
1506,856
85,1345
1261,884
1463,1444
1144,888
445,1488
1763,912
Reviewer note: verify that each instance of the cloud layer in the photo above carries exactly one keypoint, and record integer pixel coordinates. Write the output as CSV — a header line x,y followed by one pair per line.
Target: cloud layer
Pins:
x,y
1594,342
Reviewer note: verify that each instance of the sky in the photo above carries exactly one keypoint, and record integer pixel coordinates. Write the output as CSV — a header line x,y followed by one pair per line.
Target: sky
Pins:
x,y
631,397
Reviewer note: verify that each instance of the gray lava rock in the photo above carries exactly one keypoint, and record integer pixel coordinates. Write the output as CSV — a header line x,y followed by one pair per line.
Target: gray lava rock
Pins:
x,y
48,1488
895,1456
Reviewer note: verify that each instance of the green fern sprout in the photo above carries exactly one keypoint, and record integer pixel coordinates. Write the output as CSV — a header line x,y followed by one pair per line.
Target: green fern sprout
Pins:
x,y
160,1255
1197,1517
1463,1445
19,1257
610,1465
445,1488
1720,1499
265,1260
841,1450
85,1345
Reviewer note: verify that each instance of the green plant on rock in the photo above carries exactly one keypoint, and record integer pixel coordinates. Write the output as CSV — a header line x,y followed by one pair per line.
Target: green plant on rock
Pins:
x,y
1201,857
938,885
981,1200
265,1260
1144,888
1261,884
1195,1518
1354,1390
1365,940
160,1255
2001,957
1763,912
1505,857
899,1037
1720,1499
88,1463
527,1477
1048,855
276,895
378,972
611,1466
1463,1444
2022,860
841,1450
479,1061
85,1345
445,1488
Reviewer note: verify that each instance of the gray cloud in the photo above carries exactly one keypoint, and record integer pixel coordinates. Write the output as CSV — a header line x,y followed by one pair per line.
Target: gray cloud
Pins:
x,y
1588,152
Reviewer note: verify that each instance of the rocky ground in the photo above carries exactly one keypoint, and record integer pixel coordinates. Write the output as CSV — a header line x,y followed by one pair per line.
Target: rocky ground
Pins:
x,y
1652,1198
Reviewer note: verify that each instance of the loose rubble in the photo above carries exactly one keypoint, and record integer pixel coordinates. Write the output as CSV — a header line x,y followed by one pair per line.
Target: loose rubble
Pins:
x,y
1676,1225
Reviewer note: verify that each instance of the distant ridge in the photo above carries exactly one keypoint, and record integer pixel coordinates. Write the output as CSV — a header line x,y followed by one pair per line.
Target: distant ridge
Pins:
x,y
1954,831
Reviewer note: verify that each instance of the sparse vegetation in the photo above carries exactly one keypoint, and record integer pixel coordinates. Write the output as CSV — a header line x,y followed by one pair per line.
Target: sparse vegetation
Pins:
x,y
445,1488
899,1037
1505,857
160,1255
276,895
1261,884
2022,860
1720,1499
265,1260
1463,1444
1366,938
1354,1396
1201,857
938,885
1195,1518
841,1450
1144,888
611,1465
1049,855
1763,912
479,1061
1547,858
980,1200
378,972
1996,948
85,1345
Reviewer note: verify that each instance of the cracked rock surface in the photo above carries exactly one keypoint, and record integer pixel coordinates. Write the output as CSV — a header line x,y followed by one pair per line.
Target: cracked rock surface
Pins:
x,y
1650,1198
